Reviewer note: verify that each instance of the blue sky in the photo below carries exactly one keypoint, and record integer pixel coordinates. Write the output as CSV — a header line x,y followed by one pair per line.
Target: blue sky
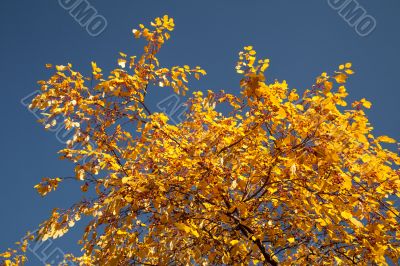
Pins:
x,y
302,39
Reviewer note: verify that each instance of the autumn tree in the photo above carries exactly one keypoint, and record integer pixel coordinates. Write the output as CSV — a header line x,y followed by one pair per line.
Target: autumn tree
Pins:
x,y
278,177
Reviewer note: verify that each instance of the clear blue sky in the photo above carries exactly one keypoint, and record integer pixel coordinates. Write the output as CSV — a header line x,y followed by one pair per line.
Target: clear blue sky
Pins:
x,y
302,39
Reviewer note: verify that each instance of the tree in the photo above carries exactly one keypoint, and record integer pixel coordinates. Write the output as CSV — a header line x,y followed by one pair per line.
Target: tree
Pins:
x,y
277,178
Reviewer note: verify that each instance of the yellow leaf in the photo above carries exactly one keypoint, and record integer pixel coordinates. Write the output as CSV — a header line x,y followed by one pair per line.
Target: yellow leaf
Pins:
x,y
225,259
281,113
340,78
121,232
207,205
122,62
385,139
347,183
356,222
6,254
128,199
126,179
194,232
95,68
183,227
366,104
346,214
321,222
234,242
338,260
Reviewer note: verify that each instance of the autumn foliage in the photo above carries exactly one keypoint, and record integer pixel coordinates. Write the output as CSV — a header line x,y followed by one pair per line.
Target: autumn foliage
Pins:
x,y
278,177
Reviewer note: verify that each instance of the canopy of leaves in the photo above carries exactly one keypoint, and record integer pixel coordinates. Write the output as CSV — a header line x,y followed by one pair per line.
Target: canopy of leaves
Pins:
x,y
279,178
